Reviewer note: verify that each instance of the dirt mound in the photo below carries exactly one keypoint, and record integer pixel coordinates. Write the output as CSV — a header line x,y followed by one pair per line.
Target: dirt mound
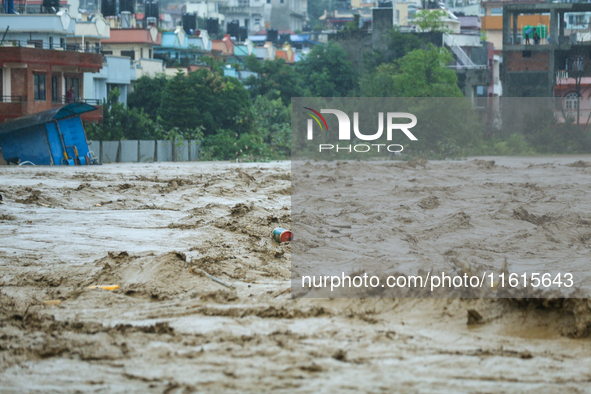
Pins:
x,y
484,163
430,202
158,277
579,164
522,214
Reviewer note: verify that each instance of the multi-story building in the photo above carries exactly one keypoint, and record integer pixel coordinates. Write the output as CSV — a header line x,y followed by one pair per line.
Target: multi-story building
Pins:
x,y
39,67
556,66
35,79
289,15
117,72
38,30
206,8
138,45
492,21
252,14
89,34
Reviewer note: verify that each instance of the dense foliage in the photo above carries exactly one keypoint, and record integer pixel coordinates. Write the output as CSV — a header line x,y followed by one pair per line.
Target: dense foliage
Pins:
x,y
250,120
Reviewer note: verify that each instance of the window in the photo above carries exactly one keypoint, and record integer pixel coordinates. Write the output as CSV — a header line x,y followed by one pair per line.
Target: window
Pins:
x,y
130,54
268,1
107,52
571,101
50,42
62,42
526,54
74,83
496,11
39,86
149,53
55,90
141,53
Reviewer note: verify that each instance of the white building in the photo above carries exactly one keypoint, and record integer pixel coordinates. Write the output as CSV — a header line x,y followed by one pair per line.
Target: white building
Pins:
x,y
48,31
206,8
253,14
117,72
288,14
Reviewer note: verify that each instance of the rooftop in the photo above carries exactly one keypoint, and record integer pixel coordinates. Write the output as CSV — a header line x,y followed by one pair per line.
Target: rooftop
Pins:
x,y
134,36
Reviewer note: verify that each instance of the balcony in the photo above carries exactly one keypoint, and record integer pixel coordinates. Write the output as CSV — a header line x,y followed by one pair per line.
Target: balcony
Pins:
x,y
13,99
242,10
64,100
38,44
512,1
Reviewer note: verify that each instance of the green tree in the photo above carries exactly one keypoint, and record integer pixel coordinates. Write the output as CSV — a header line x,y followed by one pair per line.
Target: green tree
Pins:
x,y
326,72
432,21
147,94
399,44
421,73
219,102
269,138
214,64
120,122
275,77
177,107
273,124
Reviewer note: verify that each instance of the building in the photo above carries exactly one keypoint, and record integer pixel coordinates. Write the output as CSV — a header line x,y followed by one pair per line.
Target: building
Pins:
x,y
138,45
492,21
207,9
252,14
288,14
177,50
225,46
48,31
553,67
34,79
118,72
36,6
89,34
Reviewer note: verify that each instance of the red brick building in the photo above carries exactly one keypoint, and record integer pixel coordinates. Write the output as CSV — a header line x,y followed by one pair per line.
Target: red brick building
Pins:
x,y
34,80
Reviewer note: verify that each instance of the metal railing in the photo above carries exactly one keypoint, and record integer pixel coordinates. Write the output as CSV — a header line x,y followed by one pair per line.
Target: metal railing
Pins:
x,y
13,99
241,9
45,45
514,1
462,57
66,100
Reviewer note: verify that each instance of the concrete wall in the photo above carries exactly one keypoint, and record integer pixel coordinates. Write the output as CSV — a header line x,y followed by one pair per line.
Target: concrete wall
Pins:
x,y
383,21
537,61
163,150
109,151
129,151
147,151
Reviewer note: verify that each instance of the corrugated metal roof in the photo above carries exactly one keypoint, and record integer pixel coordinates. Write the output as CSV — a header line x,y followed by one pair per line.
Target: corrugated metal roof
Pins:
x,y
57,113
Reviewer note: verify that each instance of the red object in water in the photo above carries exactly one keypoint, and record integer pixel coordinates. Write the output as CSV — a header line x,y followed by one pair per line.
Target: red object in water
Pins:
x,y
281,235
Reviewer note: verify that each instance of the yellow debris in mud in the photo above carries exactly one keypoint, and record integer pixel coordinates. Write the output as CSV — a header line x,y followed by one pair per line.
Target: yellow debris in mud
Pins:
x,y
52,302
106,287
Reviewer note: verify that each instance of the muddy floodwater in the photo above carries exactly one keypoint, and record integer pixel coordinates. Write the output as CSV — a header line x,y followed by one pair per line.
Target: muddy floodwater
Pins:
x,y
204,302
